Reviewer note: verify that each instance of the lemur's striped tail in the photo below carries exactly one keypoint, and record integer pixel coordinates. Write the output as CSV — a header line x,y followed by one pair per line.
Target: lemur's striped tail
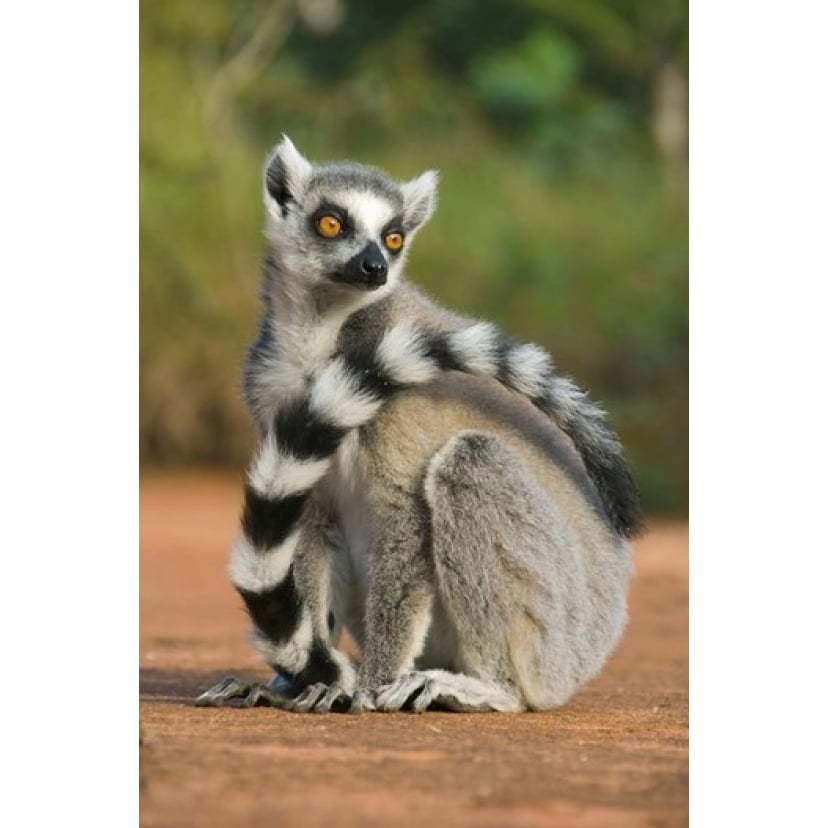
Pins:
x,y
294,455
480,348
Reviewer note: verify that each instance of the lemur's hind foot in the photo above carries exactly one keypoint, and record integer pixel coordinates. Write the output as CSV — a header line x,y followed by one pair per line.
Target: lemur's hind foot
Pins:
x,y
276,693
441,690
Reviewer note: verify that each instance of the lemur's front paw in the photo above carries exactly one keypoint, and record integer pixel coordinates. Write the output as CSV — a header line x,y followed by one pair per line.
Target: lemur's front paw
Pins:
x,y
272,694
322,698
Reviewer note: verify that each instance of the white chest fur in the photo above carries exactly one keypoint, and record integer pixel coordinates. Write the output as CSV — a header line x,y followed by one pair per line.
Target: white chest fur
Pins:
x,y
348,487
345,488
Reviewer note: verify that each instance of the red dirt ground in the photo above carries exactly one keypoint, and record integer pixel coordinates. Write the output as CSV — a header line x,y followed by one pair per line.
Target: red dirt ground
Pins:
x,y
617,755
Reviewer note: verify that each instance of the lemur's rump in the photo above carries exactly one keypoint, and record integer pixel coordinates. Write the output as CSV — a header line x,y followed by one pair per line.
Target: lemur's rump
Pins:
x,y
340,337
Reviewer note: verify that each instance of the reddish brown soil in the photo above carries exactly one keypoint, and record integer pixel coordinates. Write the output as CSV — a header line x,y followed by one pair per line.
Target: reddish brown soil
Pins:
x,y
616,755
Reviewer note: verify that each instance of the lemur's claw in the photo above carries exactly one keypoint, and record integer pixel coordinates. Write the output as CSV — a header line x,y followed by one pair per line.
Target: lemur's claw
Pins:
x,y
272,694
224,691
335,700
404,693
261,695
322,698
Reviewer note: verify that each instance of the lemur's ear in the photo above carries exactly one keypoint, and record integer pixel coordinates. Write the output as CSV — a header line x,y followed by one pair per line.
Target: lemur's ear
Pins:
x,y
286,173
419,199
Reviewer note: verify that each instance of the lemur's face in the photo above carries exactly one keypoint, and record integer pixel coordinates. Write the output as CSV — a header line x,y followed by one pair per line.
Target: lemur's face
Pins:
x,y
342,225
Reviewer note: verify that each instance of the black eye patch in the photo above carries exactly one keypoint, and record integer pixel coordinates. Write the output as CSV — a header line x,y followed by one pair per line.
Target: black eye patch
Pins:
x,y
327,208
394,226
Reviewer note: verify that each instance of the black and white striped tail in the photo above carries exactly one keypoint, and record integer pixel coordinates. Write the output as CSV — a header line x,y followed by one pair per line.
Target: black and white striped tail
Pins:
x,y
410,356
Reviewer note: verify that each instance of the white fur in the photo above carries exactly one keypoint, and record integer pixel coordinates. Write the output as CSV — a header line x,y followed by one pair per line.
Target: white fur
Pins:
x,y
529,368
369,211
304,341
420,196
337,399
258,571
293,654
276,379
346,486
274,475
263,472
567,397
400,354
476,347
347,674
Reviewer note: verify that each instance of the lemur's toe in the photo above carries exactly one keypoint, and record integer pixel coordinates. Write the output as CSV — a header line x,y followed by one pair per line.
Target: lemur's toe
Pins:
x,y
335,700
261,695
224,691
393,697
427,695
307,699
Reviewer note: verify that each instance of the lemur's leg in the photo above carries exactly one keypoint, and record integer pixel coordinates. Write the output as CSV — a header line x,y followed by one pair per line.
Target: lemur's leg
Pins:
x,y
400,596
399,619
511,575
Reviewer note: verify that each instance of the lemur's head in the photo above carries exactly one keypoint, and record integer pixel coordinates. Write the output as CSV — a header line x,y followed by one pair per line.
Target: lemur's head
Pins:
x,y
343,225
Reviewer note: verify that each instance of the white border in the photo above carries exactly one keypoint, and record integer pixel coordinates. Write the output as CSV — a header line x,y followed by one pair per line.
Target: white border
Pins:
x,y
69,327
758,184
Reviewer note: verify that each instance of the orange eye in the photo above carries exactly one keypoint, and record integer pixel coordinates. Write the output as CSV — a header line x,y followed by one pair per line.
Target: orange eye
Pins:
x,y
329,226
394,241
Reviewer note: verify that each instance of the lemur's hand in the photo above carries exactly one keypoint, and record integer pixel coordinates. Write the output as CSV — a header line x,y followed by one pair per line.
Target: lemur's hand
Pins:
x,y
279,692
276,693
322,698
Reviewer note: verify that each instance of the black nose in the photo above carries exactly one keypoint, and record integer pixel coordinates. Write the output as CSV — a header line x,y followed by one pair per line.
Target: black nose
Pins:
x,y
368,270
373,263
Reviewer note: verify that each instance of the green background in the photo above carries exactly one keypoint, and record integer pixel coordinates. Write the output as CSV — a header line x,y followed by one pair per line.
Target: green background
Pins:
x,y
559,128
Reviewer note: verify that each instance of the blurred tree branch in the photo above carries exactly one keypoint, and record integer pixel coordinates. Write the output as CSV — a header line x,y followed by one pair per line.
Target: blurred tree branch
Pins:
x,y
247,64
218,90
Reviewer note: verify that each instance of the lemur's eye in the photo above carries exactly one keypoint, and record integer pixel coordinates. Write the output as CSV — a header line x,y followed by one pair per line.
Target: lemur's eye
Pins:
x,y
329,226
394,241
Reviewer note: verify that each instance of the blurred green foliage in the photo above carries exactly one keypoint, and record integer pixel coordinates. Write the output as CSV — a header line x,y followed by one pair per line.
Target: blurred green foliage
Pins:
x,y
559,127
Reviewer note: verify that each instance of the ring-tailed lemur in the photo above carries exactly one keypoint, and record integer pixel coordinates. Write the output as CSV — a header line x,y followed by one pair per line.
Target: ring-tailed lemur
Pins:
x,y
423,480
